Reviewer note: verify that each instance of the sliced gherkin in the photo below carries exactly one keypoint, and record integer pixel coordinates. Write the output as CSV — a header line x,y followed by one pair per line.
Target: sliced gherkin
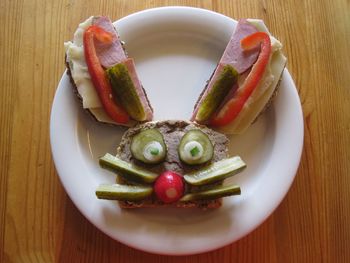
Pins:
x,y
221,87
141,146
125,90
216,171
123,192
189,154
127,170
213,193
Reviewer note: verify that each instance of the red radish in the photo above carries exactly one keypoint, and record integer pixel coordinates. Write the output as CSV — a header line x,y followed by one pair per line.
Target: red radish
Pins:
x,y
169,187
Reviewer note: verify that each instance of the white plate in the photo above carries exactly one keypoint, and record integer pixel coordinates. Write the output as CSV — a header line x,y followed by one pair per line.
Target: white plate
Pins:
x,y
176,49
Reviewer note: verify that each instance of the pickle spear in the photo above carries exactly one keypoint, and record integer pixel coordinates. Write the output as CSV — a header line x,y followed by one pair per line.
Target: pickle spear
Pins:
x,y
127,170
125,90
213,193
216,171
123,192
221,87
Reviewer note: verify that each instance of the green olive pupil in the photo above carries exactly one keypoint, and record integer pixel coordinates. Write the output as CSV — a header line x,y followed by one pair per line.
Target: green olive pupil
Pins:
x,y
154,151
194,151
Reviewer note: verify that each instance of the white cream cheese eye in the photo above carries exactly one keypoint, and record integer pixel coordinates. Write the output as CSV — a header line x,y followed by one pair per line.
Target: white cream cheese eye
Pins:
x,y
193,150
153,151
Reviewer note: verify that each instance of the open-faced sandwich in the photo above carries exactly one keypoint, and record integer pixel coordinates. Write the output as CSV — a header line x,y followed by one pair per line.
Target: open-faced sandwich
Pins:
x,y
103,76
244,81
171,163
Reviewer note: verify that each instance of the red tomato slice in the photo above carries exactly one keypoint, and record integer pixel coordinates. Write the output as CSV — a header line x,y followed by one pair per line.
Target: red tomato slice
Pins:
x,y
233,107
98,76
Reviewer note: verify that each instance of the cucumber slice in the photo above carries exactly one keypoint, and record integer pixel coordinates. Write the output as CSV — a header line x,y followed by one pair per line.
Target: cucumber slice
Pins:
x,y
125,90
213,193
127,170
216,171
123,192
148,146
221,87
195,147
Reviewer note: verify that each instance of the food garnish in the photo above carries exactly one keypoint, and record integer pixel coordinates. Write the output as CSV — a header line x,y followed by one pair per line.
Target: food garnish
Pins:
x,y
213,193
123,192
169,187
217,171
124,88
148,146
127,170
195,148
226,78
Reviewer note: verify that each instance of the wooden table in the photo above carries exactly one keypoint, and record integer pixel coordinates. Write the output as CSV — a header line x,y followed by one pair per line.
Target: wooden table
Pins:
x,y
39,223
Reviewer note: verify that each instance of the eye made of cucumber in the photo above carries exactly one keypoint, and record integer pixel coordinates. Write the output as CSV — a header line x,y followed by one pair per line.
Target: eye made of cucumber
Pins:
x,y
148,146
195,148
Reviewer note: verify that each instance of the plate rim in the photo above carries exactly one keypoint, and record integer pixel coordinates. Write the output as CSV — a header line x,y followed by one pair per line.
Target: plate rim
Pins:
x,y
92,220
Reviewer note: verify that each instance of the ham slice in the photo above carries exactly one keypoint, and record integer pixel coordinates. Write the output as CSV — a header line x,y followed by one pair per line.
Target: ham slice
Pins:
x,y
111,54
233,55
108,54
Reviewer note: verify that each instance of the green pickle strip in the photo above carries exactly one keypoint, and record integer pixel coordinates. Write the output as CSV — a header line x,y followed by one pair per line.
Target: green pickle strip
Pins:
x,y
221,87
127,170
216,171
125,91
213,193
123,192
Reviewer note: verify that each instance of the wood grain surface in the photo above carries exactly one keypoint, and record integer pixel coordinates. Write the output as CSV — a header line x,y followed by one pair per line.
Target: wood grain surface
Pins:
x,y
39,223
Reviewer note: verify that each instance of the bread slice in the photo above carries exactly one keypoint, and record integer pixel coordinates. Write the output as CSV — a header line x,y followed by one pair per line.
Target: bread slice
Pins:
x,y
109,55
267,88
172,131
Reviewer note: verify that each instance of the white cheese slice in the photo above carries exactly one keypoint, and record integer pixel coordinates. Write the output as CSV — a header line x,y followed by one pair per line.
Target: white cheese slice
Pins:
x,y
79,69
101,115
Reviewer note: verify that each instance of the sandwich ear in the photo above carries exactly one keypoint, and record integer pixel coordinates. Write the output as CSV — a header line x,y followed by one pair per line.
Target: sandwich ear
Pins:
x,y
234,106
101,50
223,82
257,80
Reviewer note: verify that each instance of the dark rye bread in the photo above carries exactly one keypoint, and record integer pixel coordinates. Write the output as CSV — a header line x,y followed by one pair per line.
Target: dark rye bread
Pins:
x,y
172,132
